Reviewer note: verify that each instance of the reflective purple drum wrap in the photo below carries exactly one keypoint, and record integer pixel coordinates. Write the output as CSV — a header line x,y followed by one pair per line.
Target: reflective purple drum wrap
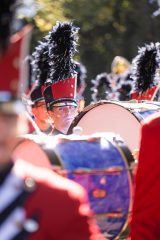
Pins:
x,y
102,166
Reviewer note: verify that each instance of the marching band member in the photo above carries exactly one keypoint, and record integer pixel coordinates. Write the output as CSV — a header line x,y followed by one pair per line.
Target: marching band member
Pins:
x,y
121,78
146,207
60,95
120,70
39,110
119,65
81,85
102,88
35,203
39,75
124,89
145,73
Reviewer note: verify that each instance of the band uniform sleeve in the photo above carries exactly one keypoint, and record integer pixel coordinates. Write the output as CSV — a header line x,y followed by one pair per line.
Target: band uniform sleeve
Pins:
x,y
81,225
65,211
145,223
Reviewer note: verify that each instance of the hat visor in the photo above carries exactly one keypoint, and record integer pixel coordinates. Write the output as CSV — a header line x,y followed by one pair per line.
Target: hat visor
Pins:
x,y
35,101
63,102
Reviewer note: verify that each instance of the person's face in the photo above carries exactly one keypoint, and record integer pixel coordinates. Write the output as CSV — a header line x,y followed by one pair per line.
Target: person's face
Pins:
x,y
8,134
40,111
63,117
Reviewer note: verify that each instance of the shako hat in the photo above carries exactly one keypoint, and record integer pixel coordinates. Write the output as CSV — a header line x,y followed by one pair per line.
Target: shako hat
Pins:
x,y
62,42
146,71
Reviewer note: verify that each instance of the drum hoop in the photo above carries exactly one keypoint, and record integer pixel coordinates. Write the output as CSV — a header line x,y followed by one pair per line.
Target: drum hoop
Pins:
x,y
128,158
120,143
52,156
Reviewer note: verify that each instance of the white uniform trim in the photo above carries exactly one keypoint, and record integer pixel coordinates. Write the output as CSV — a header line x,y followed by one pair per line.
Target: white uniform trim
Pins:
x,y
13,224
10,190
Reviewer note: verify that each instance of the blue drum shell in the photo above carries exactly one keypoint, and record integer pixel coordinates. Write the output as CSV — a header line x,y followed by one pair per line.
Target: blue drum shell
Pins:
x,y
100,166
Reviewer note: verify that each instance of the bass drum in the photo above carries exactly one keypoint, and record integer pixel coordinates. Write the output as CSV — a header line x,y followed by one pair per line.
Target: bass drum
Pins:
x,y
102,165
122,118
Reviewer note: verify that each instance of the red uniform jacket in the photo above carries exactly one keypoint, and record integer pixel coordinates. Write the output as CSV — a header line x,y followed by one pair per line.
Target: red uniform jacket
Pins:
x,y
145,224
37,204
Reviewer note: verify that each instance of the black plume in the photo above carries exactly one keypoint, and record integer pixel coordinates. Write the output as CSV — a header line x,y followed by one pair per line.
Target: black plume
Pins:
x,y
40,64
101,87
7,12
81,74
145,65
62,46
124,90
28,66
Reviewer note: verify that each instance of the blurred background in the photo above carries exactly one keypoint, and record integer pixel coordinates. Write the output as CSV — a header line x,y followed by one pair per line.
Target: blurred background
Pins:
x,y
107,28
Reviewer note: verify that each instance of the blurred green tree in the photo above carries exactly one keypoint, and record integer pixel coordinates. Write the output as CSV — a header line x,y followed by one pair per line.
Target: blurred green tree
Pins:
x,y
49,12
107,28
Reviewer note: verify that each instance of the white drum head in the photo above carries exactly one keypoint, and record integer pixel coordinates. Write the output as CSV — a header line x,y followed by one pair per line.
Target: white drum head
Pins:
x,y
114,118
